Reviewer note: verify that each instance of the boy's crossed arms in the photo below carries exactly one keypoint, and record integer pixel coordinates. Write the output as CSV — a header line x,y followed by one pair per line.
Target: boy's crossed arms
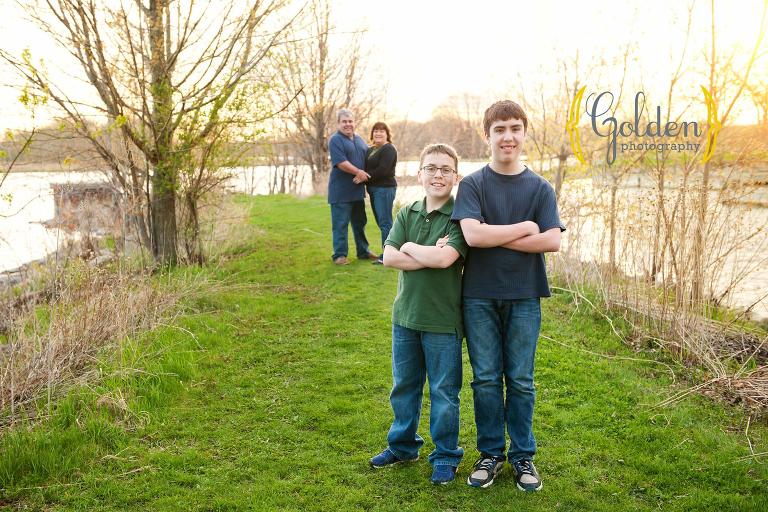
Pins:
x,y
412,256
523,236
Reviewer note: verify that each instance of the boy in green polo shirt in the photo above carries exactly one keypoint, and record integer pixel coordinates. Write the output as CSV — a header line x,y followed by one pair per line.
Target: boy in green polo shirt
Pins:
x,y
429,250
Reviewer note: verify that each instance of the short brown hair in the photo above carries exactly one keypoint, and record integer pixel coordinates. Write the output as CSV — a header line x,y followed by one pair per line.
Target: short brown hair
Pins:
x,y
503,111
379,125
443,149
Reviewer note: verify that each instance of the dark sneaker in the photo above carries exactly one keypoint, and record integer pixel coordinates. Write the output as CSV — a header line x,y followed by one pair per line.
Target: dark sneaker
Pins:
x,y
387,458
443,474
369,256
379,261
485,470
526,476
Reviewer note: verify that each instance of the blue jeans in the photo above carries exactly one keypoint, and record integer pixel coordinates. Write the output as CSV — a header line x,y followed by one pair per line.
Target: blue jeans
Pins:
x,y
382,199
415,356
341,216
501,340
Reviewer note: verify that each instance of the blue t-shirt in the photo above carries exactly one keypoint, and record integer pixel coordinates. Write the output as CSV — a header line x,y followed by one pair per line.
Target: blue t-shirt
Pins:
x,y
493,198
341,189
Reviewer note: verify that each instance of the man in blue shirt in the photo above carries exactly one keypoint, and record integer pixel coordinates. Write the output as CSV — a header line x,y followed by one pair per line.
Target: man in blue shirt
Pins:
x,y
346,192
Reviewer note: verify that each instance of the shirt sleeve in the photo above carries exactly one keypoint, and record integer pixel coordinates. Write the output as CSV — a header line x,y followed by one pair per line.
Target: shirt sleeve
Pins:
x,y
456,239
547,216
396,236
336,150
467,205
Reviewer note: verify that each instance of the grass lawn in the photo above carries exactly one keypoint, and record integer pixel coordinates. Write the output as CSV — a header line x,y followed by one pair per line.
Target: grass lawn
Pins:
x,y
272,393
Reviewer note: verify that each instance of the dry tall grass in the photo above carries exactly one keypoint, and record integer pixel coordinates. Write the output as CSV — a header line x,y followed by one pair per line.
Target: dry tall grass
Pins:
x,y
54,344
643,269
80,313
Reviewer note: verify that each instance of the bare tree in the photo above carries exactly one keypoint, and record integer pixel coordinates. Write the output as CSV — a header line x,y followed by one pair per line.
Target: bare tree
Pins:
x,y
547,109
721,75
758,91
157,68
458,120
322,69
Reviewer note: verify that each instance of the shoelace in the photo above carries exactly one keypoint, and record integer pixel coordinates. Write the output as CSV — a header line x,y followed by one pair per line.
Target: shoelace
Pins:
x,y
485,464
524,466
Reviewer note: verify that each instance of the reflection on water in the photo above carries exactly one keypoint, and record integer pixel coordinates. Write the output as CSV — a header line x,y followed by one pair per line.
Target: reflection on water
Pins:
x,y
23,238
264,180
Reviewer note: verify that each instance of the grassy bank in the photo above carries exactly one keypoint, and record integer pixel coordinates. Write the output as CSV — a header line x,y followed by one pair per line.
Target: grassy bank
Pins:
x,y
272,392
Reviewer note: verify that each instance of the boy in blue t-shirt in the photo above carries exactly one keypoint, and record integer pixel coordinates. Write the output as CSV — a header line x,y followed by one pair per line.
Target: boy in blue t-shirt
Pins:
x,y
509,218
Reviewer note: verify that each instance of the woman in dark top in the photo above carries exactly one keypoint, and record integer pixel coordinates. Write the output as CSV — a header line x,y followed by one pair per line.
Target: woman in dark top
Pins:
x,y
380,162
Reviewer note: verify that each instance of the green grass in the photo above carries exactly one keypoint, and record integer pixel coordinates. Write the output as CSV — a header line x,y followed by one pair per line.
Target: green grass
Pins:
x,y
273,394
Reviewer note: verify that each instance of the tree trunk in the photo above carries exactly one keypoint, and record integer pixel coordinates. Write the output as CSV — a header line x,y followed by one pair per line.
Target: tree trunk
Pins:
x,y
697,281
164,176
320,182
699,243
139,223
658,253
612,224
192,232
164,217
560,173
137,202
320,166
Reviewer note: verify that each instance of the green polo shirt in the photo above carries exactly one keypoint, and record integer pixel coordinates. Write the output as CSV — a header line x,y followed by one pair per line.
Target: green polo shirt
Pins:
x,y
428,299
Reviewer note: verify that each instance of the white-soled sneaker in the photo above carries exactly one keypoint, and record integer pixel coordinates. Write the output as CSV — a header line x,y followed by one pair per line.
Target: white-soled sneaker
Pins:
x,y
526,476
485,470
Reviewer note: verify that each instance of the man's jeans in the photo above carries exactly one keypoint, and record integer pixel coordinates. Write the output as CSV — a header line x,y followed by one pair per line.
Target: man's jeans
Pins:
x,y
341,215
416,355
382,199
501,340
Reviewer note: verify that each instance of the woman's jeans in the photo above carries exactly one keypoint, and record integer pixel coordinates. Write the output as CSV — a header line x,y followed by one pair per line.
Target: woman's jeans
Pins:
x,y
382,200
417,355
501,340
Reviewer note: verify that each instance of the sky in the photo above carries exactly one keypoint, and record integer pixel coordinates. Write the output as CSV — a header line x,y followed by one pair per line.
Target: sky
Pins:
x,y
423,52
435,49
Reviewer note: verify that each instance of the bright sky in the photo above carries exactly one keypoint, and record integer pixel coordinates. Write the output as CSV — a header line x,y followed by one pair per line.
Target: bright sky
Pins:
x,y
434,49
427,50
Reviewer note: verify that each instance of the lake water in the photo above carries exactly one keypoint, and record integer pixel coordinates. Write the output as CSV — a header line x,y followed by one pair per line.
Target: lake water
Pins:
x,y
23,237
26,201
